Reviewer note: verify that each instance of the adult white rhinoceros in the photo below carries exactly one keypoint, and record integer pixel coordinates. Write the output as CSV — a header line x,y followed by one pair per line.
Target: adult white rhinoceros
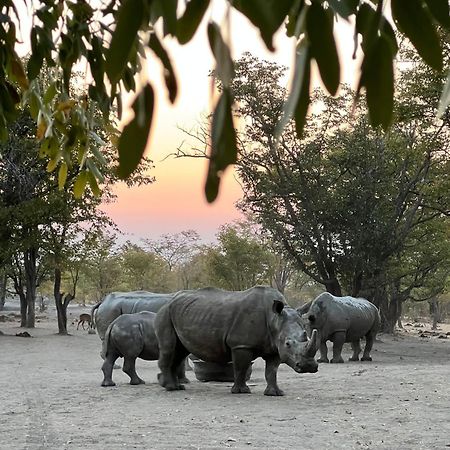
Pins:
x,y
118,303
239,326
342,319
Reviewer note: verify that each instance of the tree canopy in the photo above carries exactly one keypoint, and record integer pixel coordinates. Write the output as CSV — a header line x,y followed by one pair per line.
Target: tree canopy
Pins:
x,y
114,39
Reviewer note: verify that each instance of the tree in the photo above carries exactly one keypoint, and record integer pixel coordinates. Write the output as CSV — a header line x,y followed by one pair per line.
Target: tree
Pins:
x,y
174,249
143,270
113,40
345,200
239,261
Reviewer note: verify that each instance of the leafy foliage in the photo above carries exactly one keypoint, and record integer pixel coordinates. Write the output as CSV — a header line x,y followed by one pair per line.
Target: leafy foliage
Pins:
x,y
112,38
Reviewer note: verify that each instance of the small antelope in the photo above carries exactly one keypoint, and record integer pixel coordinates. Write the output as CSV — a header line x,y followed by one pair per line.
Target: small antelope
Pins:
x,y
84,318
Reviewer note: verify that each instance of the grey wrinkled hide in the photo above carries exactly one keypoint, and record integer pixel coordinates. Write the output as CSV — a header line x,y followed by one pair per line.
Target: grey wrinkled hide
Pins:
x,y
340,320
240,326
118,303
132,336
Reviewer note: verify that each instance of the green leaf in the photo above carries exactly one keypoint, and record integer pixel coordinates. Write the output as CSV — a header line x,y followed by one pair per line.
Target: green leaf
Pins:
x,y
440,11
135,135
62,176
378,78
80,184
266,15
93,184
190,20
94,169
128,23
223,144
414,21
300,84
51,166
18,72
323,46
169,74
222,55
444,101
50,93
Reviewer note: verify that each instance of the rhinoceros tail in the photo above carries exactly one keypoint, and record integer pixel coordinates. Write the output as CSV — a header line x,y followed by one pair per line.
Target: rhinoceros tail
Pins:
x,y
107,339
93,324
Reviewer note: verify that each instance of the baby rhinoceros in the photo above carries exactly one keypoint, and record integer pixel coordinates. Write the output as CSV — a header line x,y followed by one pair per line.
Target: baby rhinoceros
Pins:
x,y
132,336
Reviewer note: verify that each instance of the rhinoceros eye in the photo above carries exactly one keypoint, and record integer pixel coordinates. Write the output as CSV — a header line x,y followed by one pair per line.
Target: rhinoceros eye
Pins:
x,y
311,318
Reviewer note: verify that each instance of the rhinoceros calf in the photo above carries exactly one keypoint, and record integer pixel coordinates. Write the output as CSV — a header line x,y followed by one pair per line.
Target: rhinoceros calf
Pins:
x,y
118,303
222,326
340,320
132,336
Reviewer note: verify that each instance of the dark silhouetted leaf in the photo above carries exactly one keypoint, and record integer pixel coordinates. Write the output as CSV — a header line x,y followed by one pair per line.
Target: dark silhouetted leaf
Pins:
x,y
440,11
135,135
221,52
168,10
444,101
128,23
389,34
188,23
378,78
169,75
323,46
266,15
294,105
303,100
344,8
223,144
414,21
366,25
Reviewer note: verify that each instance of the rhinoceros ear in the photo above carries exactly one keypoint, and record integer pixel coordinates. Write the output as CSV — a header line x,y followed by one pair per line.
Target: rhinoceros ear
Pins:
x,y
277,306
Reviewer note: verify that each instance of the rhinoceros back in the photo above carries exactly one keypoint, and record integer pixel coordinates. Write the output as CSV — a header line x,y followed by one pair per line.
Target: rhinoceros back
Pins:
x,y
360,314
118,303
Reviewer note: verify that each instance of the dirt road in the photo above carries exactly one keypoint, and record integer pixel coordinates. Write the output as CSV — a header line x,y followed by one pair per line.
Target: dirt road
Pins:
x,y
50,398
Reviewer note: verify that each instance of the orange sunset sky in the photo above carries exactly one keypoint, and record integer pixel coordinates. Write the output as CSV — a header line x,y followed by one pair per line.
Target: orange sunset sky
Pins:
x,y
175,202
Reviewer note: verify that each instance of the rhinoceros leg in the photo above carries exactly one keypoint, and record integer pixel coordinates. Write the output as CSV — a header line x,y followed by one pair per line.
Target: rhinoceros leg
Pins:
x,y
181,372
323,353
129,367
170,364
338,342
271,377
107,369
370,337
103,353
242,359
356,347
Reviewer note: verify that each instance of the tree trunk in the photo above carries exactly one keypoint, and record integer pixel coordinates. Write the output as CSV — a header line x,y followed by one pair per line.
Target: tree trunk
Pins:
x,y
62,302
23,309
333,287
435,312
30,257
3,280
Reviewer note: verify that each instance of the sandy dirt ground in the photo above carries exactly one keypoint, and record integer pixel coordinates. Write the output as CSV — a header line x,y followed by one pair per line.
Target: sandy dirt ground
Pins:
x,y
50,398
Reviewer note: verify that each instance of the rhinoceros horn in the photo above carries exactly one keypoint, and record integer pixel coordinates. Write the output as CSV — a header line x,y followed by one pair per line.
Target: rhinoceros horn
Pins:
x,y
313,344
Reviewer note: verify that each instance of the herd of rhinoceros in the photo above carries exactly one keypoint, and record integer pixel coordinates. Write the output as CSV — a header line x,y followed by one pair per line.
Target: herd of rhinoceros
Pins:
x,y
222,326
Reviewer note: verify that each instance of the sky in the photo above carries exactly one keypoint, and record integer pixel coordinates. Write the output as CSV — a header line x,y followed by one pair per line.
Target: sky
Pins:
x,y
175,201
